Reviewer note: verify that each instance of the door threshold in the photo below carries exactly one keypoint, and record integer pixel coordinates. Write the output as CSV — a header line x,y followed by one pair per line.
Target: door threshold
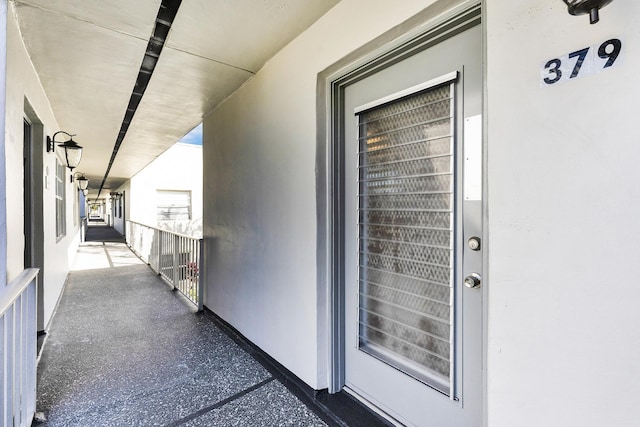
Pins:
x,y
372,407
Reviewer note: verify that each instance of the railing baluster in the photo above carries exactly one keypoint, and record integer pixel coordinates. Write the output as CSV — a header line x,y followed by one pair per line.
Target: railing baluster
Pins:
x,y
200,275
175,257
176,264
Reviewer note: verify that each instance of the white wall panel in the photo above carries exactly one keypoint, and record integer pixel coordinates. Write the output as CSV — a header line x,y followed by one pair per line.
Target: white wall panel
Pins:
x,y
179,168
259,190
563,221
23,83
3,177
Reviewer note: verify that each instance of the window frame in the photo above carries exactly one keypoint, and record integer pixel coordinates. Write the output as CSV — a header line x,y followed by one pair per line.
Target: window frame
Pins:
x,y
61,200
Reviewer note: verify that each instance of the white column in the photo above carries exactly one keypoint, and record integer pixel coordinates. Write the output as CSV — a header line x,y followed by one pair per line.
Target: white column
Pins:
x,y
3,166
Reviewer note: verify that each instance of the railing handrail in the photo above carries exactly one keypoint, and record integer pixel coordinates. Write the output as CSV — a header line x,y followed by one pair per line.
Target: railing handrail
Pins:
x,y
186,236
16,287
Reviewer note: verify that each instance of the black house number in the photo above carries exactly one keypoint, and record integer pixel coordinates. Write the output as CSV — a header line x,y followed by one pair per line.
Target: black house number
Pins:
x,y
589,60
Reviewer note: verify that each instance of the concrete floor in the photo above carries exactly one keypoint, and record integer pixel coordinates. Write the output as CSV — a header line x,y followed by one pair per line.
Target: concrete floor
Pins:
x,y
124,350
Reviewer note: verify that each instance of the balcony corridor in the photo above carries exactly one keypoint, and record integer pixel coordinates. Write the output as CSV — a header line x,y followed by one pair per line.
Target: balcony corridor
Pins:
x,y
124,350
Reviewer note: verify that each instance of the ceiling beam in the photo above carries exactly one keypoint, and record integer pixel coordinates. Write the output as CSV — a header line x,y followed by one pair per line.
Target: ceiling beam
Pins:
x,y
164,20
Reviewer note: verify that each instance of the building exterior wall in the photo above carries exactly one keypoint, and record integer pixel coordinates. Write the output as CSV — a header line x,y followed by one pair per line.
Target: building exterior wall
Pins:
x,y
563,220
260,191
23,85
561,197
180,169
3,174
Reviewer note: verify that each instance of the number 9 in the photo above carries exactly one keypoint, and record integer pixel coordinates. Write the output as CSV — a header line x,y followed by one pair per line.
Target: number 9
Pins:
x,y
613,55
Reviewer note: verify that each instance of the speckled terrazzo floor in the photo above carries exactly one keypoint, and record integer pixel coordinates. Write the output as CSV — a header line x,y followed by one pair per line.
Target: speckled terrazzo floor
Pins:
x,y
124,350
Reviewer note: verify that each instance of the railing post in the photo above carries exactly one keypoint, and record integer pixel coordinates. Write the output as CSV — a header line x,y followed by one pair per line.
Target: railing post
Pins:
x,y
200,275
176,260
158,233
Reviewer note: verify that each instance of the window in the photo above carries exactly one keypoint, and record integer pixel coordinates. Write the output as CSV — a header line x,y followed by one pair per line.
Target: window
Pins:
x,y
61,223
173,205
76,207
406,219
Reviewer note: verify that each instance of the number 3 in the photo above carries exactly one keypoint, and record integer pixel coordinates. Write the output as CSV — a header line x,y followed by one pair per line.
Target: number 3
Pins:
x,y
555,65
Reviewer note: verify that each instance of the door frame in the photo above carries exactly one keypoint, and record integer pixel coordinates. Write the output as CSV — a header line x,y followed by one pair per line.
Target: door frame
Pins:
x,y
36,220
27,198
440,21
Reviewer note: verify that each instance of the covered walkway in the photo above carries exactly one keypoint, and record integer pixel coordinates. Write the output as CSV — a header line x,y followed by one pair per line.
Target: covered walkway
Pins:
x,y
124,350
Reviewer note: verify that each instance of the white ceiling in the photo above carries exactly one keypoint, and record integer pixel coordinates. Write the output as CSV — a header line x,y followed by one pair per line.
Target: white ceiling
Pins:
x,y
88,54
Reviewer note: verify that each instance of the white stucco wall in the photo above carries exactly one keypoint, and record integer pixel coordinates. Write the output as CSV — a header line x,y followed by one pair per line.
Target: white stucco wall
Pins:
x,y
119,221
259,190
178,168
563,209
23,83
562,196
3,175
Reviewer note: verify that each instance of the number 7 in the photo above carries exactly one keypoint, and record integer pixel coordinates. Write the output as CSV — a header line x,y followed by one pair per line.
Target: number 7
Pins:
x,y
581,54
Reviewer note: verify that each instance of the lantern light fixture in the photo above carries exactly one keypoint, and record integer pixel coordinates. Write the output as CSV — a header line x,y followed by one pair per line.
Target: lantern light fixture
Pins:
x,y
72,152
81,180
583,7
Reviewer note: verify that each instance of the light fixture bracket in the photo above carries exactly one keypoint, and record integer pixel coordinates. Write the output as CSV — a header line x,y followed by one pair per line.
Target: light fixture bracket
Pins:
x,y
590,7
72,151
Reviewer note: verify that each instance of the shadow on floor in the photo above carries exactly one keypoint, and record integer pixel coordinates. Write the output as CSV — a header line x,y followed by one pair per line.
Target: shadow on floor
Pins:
x,y
98,231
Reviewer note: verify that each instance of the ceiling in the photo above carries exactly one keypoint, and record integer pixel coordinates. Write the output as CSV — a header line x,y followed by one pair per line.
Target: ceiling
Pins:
x,y
88,54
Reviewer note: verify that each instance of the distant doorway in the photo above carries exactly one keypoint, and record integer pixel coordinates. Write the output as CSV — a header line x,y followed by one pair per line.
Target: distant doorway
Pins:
x,y
28,196
32,201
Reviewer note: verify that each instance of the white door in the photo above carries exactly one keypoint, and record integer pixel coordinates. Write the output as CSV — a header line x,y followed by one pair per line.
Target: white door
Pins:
x,y
413,338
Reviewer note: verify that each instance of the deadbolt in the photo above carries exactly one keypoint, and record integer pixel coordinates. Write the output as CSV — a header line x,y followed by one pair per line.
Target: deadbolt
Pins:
x,y
474,243
472,281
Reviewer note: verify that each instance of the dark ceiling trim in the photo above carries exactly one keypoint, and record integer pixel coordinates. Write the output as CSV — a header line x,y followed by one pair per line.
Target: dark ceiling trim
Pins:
x,y
164,19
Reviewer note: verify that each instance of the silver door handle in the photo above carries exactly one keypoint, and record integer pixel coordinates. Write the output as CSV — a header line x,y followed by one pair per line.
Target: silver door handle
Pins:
x,y
473,281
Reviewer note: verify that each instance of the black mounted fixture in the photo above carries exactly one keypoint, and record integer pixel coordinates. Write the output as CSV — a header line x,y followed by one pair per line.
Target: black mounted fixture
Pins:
x,y
72,152
81,180
583,7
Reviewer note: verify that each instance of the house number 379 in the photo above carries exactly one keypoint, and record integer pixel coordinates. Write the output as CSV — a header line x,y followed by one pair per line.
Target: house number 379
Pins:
x,y
589,60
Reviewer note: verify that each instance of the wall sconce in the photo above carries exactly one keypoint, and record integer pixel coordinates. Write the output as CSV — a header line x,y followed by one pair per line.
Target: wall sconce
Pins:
x,y
72,151
81,180
582,7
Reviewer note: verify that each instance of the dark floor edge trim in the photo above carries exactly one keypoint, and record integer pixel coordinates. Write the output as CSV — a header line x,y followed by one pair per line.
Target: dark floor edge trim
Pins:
x,y
221,403
338,409
41,340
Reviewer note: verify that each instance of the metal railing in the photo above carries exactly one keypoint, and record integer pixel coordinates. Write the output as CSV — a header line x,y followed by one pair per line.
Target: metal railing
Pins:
x,y
175,257
18,348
